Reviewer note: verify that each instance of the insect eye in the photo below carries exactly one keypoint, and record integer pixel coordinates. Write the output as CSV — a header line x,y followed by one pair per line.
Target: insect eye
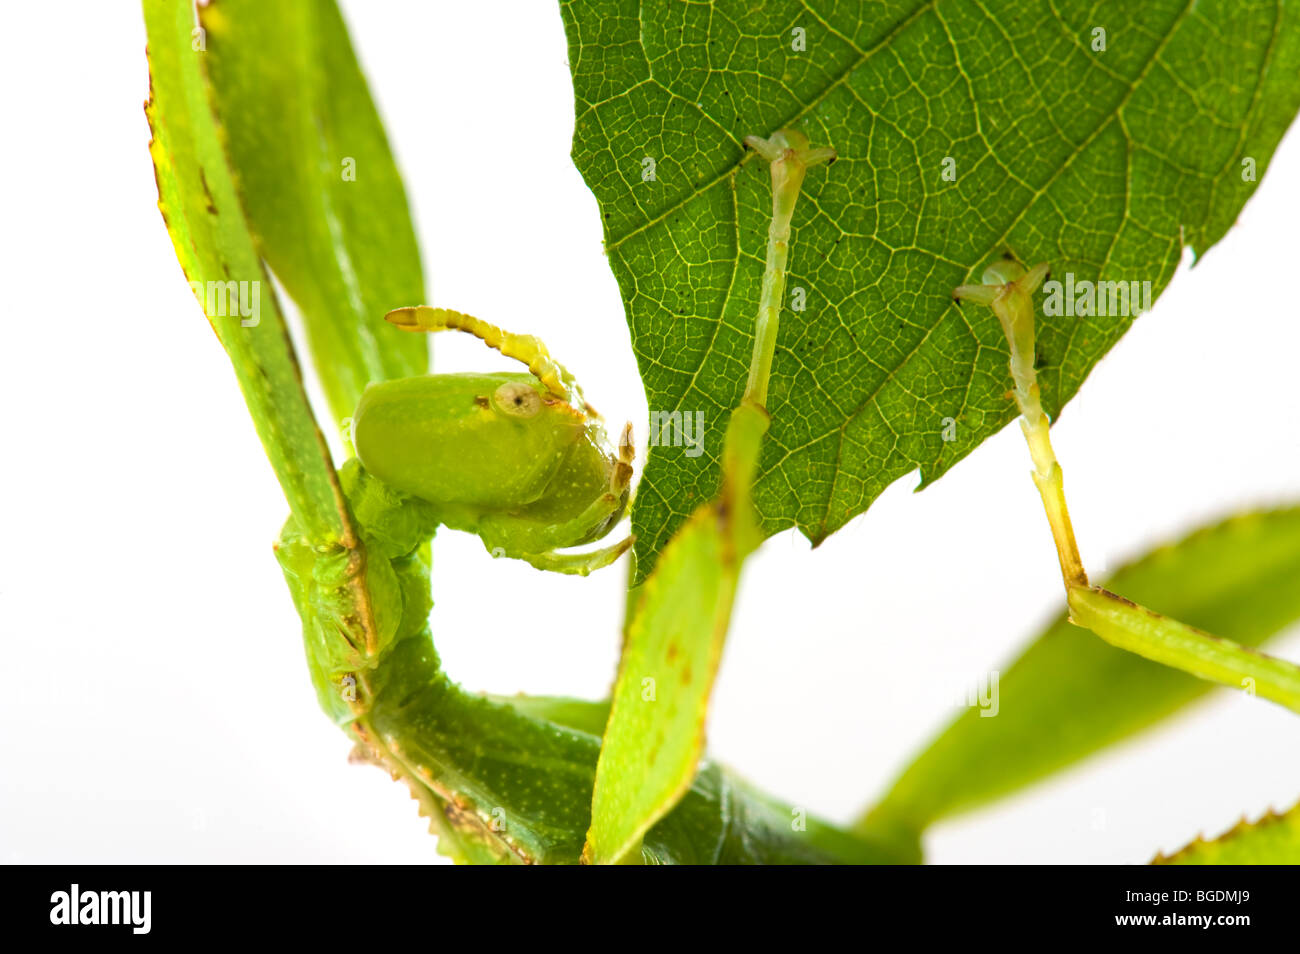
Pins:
x,y
517,400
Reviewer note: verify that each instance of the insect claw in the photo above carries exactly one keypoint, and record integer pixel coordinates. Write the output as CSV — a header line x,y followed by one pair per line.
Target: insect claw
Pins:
x,y
768,150
1034,277
619,480
789,144
981,294
578,564
813,157
626,447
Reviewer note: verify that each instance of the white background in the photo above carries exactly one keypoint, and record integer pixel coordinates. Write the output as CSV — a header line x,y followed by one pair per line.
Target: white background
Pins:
x,y
156,705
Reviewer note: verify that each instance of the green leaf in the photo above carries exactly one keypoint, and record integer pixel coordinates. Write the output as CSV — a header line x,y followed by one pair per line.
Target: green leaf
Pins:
x,y
1103,163
1273,840
319,185
1070,694
655,736
196,194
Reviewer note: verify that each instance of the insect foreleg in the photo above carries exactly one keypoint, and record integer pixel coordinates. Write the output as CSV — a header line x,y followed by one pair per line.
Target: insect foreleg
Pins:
x,y
1007,289
787,151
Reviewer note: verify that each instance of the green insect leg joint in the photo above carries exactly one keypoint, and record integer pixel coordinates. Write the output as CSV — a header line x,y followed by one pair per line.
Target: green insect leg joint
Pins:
x,y
1008,288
